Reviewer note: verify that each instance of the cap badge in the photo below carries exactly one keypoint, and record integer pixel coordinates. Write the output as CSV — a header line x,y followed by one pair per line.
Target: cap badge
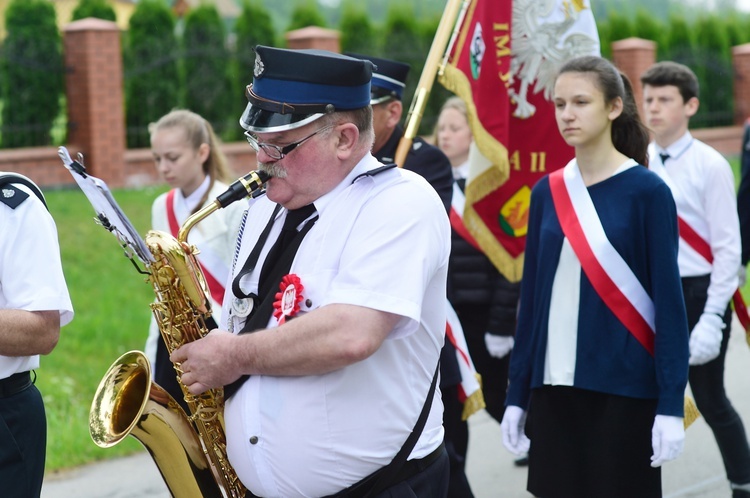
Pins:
x,y
259,67
8,193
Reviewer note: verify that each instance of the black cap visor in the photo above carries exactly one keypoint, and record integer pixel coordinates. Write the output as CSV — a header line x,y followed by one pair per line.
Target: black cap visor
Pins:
x,y
260,120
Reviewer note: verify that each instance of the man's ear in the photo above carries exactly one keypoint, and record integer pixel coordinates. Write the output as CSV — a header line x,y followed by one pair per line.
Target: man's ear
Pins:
x,y
691,106
395,110
347,139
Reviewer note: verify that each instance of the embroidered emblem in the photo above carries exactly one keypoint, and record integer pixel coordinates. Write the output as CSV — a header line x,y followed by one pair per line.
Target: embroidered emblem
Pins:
x,y
242,307
288,298
259,67
8,193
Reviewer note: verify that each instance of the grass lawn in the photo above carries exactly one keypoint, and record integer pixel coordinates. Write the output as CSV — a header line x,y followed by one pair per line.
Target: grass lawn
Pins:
x,y
111,302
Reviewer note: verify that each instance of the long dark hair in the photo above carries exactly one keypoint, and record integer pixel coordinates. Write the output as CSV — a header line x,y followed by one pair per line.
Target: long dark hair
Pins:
x,y
629,135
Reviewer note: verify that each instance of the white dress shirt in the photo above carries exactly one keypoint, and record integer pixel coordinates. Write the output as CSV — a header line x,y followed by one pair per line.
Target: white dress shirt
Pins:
x,y
702,185
31,275
381,242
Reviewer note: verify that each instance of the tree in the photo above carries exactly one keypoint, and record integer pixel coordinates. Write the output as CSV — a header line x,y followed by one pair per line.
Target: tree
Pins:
x,y
439,94
619,27
605,38
94,8
32,83
357,31
648,27
253,27
207,86
680,42
306,14
152,79
402,42
714,71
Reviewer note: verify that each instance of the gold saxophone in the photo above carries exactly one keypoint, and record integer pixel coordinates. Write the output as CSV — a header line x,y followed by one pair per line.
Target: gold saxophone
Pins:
x,y
190,451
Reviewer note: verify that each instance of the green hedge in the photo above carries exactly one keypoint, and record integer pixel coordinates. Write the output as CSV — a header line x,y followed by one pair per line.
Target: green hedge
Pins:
x,y
31,76
204,62
94,8
206,58
152,78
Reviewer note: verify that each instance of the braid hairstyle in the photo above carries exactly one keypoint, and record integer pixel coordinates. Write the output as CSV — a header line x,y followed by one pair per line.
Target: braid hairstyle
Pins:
x,y
629,135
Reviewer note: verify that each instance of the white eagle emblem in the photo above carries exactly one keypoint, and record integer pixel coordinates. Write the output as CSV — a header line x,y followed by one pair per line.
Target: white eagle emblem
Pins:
x,y
259,66
8,193
545,34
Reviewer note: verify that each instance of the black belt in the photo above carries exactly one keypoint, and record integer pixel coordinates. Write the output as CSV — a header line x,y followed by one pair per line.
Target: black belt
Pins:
x,y
414,467
14,384
409,469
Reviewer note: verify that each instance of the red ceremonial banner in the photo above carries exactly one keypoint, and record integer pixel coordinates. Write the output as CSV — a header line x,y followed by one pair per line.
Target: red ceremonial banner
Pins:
x,y
503,64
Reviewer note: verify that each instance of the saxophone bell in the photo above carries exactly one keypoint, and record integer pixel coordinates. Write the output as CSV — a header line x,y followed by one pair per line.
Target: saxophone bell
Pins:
x,y
190,451
127,402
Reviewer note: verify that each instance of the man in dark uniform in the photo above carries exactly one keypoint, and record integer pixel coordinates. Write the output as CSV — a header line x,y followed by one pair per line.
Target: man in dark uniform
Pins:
x,y
386,90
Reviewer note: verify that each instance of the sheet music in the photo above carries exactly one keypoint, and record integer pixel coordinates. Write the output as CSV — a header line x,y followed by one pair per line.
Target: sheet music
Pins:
x,y
107,210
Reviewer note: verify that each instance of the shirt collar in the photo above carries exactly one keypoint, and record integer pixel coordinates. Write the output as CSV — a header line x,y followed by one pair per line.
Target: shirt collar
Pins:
x,y
367,163
193,199
678,147
461,172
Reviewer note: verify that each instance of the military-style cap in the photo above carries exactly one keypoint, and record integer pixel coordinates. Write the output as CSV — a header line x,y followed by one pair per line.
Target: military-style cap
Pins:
x,y
292,88
388,78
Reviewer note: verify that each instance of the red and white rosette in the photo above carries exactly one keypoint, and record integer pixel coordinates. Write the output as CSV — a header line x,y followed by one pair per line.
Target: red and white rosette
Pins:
x,y
288,298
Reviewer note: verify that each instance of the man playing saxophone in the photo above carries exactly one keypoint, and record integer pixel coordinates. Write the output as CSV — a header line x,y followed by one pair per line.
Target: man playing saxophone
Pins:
x,y
333,329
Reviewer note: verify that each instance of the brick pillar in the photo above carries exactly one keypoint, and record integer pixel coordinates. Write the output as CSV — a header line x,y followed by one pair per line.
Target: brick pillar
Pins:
x,y
96,119
741,63
633,56
314,37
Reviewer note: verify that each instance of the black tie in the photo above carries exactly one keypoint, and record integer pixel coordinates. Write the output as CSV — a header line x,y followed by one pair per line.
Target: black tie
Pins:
x,y
664,156
277,263
288,233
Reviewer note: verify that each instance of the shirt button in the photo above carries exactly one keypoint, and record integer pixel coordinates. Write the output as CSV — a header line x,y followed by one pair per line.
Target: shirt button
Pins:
x,y
254,440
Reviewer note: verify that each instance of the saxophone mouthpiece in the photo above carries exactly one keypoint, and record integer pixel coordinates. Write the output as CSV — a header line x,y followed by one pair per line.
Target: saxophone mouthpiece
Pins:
x,y
243,187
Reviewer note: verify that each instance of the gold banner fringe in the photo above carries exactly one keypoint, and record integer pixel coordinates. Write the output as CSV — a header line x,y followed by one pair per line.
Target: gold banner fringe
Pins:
x,y
475,402
490,180
691,412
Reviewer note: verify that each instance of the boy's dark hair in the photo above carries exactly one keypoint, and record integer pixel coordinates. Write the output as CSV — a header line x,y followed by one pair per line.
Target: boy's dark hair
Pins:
x,y
672,73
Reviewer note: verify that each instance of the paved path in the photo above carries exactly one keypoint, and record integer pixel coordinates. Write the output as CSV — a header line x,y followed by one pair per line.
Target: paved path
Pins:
x,y
698,473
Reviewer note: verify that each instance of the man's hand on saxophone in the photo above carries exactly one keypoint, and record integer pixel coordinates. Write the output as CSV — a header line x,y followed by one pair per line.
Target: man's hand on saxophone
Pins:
x,y
208,363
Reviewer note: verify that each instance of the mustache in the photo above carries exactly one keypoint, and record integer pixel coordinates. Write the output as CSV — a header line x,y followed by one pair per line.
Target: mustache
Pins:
x,y
274,170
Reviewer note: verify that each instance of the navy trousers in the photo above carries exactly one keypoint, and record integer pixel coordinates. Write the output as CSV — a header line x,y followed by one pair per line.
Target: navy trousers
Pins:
x,y
707,385
23,444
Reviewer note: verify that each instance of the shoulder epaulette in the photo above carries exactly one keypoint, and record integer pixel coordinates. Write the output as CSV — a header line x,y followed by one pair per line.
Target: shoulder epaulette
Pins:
x,y
12,196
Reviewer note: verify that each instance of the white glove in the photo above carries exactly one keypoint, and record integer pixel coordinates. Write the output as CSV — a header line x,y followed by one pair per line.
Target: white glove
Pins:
x,y
705,340
512,425
498,345
742,275
667,439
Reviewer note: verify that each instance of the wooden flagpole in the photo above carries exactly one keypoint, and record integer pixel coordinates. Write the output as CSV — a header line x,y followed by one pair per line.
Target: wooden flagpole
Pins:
x,y
427,78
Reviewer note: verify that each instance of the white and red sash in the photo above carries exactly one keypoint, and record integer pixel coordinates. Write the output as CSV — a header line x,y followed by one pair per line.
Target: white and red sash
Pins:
x,y
206,262
609,274
700,245
456,215
470,392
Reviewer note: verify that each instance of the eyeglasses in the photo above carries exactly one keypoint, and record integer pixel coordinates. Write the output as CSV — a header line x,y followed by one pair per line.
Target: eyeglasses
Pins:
x,y
276,152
